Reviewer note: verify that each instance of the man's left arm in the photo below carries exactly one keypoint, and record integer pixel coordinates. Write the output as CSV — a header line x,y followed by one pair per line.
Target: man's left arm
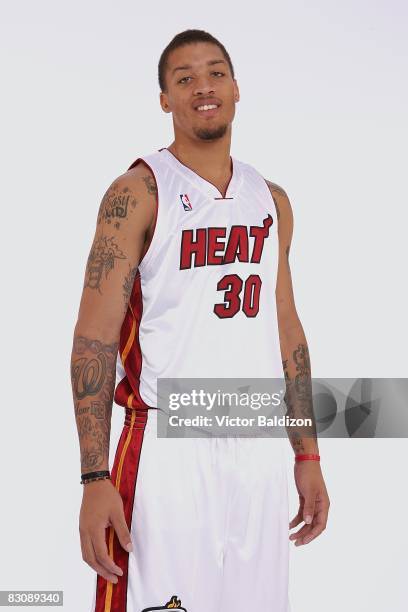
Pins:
x,y
313,499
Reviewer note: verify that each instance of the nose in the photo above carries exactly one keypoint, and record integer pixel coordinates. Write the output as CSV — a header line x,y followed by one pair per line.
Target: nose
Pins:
x,y
203,86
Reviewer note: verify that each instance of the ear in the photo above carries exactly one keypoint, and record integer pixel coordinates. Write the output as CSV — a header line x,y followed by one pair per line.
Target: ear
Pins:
x,y
164,103
236,91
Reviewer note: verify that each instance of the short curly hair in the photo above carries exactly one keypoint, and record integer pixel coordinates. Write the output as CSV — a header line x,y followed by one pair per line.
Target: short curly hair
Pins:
x,y
186,38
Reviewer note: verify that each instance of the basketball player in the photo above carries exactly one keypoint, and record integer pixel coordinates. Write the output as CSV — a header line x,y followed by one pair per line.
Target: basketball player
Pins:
x,y
188,276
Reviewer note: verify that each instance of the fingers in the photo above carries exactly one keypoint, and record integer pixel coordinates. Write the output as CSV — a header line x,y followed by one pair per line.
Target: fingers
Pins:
x,y
101,553
89,556
298,517
309,534
296,520
299,535
309,508
319,525
310,531
121,529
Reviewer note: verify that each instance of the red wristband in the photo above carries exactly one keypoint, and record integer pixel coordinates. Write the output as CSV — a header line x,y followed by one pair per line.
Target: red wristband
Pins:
x,y
311,457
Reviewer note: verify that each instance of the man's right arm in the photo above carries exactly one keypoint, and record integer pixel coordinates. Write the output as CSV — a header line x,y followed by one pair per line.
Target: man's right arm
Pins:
x,y
123,229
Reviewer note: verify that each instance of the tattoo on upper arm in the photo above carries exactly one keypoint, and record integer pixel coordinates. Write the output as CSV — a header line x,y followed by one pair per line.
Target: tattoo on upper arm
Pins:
x,y
150,184
275,190
128,285
115,205
101,261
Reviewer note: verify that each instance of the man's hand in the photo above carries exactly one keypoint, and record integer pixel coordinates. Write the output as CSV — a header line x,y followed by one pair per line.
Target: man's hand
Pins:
x,y
313,502
102,506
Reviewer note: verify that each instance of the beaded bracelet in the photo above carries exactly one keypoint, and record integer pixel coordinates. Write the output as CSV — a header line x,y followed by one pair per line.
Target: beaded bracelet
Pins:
x,y
310,456
92,476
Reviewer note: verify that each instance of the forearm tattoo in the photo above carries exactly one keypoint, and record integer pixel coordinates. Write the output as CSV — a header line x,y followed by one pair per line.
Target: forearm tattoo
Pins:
x,y
298,397
93,377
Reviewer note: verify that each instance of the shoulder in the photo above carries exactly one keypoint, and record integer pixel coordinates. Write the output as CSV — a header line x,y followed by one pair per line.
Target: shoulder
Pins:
x,y
283,208
141,178
284,213
132,193
275,189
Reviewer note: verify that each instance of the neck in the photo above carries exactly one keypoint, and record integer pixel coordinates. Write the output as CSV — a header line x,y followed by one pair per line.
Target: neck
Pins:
x,y
211,160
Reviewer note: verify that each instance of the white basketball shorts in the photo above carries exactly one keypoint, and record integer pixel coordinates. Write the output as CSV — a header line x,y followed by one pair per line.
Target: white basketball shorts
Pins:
x,y
208,519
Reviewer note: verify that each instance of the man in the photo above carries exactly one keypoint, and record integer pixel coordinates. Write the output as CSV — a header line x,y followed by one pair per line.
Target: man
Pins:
x,y
188,276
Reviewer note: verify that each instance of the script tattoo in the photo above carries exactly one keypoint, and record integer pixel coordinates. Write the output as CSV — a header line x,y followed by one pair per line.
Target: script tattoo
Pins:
x,y
101,261
115,205
93,377
81,409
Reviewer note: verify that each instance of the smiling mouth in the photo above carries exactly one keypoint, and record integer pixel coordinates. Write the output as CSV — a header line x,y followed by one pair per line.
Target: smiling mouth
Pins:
x,y
206,106
207,109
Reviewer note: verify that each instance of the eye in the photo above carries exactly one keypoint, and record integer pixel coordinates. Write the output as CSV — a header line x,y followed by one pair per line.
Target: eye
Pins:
x,y
218,72
183,80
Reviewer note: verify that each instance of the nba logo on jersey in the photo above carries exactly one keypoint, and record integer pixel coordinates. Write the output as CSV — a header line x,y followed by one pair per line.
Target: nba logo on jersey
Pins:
x,y
185,201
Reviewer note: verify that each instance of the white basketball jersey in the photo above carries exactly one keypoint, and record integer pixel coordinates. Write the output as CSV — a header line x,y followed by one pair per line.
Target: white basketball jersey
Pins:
x,y
203,303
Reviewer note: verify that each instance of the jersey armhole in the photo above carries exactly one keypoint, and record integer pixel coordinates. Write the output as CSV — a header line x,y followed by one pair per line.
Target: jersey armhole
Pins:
x,y
148,253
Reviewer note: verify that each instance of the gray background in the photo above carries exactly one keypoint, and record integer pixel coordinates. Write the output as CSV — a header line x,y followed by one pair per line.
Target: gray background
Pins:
x,y
323,90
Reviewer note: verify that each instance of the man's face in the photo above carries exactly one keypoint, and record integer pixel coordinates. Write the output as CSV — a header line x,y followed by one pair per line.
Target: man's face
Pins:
x,y
198,75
